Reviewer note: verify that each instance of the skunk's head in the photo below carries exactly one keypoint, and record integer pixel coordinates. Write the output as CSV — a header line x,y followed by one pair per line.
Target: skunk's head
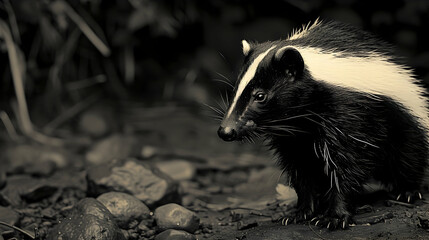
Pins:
x,y
271,80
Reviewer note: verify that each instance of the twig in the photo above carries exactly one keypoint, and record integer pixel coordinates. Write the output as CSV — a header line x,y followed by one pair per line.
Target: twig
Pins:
x,y
12,21
130,66
87,82
63,6
318,234
71,112
401,203
28,234
18,70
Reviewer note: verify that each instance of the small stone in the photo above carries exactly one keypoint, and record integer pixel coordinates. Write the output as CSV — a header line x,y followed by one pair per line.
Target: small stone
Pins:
x,y
214,189
24,187
124,207
97,121
48,212
150,233
89,219
142,227
409,214
113,147
34,160
177,169
172,234
243,225
148,151
174,216
144,182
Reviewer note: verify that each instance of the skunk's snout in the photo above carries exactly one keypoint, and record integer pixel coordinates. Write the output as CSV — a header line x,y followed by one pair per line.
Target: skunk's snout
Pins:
x,y
227,133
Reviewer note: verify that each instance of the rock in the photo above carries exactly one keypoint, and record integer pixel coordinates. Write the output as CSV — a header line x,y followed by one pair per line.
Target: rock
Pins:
x,y
2,179
24,187
174,216
148,151
113,147
243,225
97,121
124,207
144,182
177,169
172,234
34,160
9,216
89,219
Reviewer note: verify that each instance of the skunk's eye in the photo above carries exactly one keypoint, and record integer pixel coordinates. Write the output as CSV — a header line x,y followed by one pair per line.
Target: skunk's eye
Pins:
x,y
260,97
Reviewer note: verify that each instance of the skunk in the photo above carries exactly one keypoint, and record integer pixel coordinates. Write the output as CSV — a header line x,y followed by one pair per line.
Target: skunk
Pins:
x,y
339,109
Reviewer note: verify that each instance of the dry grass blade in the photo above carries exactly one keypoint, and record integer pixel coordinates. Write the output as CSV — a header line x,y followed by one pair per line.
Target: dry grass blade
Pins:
x,y
63,6
12,20
28,234
17,67
130,66
8,125
87,82
71,112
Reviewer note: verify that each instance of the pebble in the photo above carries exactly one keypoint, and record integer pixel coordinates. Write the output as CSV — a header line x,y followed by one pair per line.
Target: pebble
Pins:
x,y
24,187
172,234
243,225
174,216
177,169
144,182
116,146
97,121
124,207
89,219
34,160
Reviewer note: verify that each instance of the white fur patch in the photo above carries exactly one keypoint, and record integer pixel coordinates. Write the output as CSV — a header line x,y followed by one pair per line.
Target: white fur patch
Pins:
x,y
246,47
304,30
372,75
247,77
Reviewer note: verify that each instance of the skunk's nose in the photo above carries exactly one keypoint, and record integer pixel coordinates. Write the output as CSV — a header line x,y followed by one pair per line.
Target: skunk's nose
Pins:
x,y
227,133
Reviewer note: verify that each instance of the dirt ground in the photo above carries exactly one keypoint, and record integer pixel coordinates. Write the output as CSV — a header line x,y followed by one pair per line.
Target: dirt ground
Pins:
x,y
235,189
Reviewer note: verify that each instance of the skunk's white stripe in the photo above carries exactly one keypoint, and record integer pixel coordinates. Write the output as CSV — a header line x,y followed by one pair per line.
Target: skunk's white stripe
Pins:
x,y
247,77
373,74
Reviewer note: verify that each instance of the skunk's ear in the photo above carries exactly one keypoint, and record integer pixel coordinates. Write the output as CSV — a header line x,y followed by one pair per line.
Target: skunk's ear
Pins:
x,y
246,47
290,60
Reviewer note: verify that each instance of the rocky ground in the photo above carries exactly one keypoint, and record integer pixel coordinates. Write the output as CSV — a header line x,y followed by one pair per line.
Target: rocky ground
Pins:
x,y
162,173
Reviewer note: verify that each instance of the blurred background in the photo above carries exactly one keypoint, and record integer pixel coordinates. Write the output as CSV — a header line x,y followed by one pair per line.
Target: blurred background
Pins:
x,y
62,56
